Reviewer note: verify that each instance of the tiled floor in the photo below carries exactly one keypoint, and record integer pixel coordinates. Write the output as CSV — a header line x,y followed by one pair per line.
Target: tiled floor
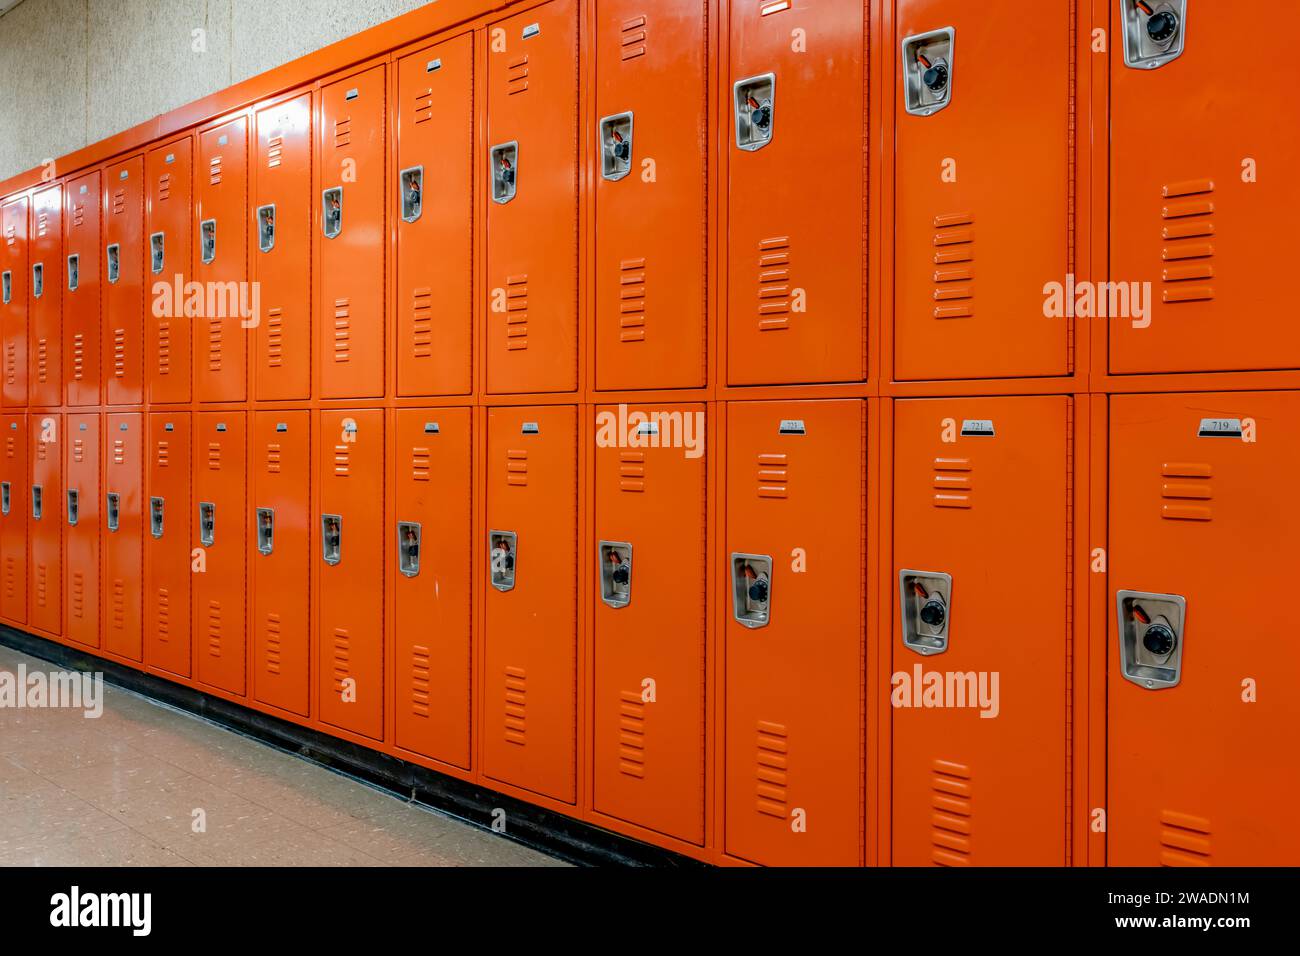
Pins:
x,y
128,788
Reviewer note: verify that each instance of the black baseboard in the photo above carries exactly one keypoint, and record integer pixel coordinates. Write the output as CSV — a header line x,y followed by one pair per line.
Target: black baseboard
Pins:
x,y
536,827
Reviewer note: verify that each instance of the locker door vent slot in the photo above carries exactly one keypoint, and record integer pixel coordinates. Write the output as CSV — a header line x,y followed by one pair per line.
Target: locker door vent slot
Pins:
x,y
1184,839
616,146
1154,32
503,556
408,548
950,833
505,172
928,71
265,530
755,111
1151,631
925,607
751,588
614,558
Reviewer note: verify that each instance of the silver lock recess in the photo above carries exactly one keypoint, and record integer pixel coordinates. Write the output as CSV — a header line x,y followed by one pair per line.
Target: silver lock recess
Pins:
x,y
331,211
38,277
266,227
74,506
616,146
504,160
614,558
156,252
1153,32
6,286
408,548
265,530
4,497
113,509
208,240
156,517
410,184
331,538
925,607
755,106
928,71
74,272
207,523
751,588
36,502
113,256
1151,629
503,559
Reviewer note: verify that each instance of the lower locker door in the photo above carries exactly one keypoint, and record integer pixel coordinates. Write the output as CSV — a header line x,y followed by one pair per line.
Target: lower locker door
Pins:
x,y
218,528
793,646
530,680
979,639
45,533
123,555
82,517
1202,703
648,706
168,558
13,518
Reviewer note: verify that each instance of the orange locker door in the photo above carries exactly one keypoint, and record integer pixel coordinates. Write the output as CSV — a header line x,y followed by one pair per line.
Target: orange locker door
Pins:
x,y
218,526
281,250
964,310
532,217
79,275
13,518
530,710
796,246
45,534
168,172
648,709
220,263
281,543
45,313
168,559
433,471
82,516
435,222
793,649
350,537
123,333
1189,198
979,780
1203,525
123,554
13,301
651,212
353,238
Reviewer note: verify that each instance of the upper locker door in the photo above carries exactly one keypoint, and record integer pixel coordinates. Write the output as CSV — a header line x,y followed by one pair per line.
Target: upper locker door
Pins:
x,y
82,515
350,602
968,308
530,708
123,554
221,264
218,528
797,159
648,706
980,633
353,237
123,332
13,301
651,94
168,559
435,223
532,217
168,172
795,566
79,275
1202,703
14,498
433,471
45,533
1190,197
45,313
278,556
281,250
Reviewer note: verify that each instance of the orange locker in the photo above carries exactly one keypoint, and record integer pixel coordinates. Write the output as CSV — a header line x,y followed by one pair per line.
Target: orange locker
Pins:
x,y
796,273
281,251
220,264
123,331
123,545
434,480
45,534
351,173
218,527
350,601
435,225
278,558
82,515
963,311
168,561
13,301
45,315
1202,697
981,516
530,681
532,217
80,280
648,707
169,176
1190,200
651,214
13,518
793,645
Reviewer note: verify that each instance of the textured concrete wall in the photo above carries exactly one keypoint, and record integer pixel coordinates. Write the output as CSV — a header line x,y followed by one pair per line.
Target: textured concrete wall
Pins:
x,y
75,71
